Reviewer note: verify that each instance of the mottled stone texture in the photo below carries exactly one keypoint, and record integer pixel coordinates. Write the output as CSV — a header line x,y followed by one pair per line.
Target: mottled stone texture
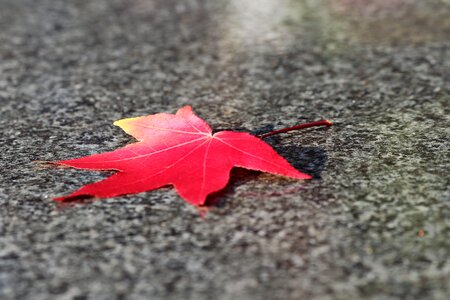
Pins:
x,y
373,224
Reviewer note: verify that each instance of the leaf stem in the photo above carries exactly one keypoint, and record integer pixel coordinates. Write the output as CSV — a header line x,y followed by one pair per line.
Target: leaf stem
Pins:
x,y
297,127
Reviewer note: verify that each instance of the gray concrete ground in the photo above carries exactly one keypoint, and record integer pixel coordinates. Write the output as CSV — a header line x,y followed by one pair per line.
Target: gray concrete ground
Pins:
x,y
373,224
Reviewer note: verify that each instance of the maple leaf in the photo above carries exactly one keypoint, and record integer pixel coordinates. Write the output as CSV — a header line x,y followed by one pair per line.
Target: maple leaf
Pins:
x,y
180,150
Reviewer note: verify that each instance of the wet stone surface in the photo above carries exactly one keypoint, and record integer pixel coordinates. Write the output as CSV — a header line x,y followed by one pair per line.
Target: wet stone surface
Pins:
x,y
373,224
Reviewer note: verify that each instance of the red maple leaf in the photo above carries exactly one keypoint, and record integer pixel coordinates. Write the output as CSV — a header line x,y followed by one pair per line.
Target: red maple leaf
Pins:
x,y
178,150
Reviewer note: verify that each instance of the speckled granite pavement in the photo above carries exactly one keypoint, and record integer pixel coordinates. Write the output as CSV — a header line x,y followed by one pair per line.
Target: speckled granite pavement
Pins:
x,y
373,224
